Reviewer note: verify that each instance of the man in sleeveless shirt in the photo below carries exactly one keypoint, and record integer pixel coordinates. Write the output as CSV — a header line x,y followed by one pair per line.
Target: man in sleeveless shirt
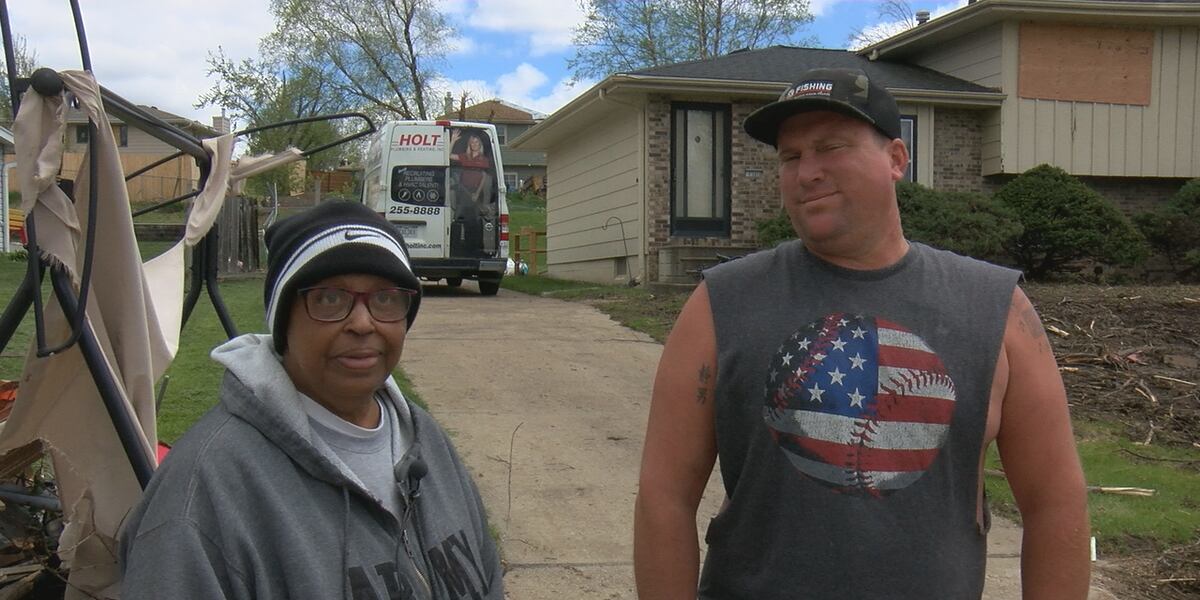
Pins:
x,y
850,382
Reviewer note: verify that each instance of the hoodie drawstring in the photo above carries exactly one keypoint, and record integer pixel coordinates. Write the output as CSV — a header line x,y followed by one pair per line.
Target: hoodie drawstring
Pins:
x,y
345,543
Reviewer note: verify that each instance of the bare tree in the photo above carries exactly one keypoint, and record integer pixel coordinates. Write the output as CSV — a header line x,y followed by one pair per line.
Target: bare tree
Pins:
x,y
383,52
26,60
894,16
618,35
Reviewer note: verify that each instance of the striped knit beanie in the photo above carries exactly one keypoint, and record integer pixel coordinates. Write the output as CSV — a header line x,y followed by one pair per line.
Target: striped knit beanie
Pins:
x,y
333,238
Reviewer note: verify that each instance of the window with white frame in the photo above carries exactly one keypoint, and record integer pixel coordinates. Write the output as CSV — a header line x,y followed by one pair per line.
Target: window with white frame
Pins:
x,y
908,133
502,135
510,181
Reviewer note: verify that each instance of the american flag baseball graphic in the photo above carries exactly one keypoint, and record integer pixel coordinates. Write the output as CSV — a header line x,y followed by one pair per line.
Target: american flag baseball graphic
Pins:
x,y
858,403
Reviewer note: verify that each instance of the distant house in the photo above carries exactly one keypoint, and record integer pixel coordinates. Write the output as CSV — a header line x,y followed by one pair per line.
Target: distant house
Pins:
x,y
651,174
510,121
139,149
10,218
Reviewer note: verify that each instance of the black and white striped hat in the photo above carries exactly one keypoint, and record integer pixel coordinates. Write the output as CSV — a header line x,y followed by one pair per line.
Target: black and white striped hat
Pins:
x,y
333,238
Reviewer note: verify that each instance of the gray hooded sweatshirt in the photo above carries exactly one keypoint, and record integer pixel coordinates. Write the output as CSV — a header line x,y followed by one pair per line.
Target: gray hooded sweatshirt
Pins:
x,y
252,503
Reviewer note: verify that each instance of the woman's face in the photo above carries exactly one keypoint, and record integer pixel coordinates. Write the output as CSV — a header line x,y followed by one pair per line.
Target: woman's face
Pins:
x,y
342,363
474,144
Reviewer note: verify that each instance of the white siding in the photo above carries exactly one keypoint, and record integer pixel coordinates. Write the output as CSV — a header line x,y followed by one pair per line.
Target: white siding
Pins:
x,y
591,179
974,57
1085,138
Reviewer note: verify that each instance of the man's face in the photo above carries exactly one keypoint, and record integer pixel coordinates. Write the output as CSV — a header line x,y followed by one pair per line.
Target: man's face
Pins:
x,y
344,362
837,180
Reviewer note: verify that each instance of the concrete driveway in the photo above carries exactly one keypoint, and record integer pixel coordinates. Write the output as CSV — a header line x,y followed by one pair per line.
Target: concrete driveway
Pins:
x,y
547,402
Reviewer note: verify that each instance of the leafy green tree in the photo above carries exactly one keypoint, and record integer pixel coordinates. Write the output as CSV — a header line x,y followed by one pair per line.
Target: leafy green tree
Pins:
x,y
962,222
1174,230
1065,221
621,36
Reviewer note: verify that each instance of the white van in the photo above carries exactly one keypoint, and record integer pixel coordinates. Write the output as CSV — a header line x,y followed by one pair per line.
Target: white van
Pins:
x,y
442,184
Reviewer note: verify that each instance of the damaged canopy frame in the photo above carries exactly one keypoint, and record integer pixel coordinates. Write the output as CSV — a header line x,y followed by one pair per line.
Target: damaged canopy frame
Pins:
x,y
204,255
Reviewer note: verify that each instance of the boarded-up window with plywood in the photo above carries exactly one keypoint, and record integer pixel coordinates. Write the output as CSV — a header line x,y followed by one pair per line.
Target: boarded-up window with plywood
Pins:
x,y
1086,64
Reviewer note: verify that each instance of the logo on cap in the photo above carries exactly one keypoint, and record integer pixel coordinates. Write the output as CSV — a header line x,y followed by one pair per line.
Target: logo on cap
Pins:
x,y
809,88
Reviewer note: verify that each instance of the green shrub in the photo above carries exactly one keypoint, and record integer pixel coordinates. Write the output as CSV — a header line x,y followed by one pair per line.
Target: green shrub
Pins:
x,y
970,224
1065,221
1174,230
775,230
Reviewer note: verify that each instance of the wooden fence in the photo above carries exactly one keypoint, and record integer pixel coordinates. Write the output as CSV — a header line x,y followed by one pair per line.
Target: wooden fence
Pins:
x,y
527,246
240,241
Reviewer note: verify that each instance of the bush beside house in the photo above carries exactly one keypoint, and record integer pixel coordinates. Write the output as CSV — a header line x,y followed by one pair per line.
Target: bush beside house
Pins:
x,y
1174,231
1063,222
1045,222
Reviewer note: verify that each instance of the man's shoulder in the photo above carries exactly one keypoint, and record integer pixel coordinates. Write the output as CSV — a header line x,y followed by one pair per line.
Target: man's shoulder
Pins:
x,y
754,263
953,259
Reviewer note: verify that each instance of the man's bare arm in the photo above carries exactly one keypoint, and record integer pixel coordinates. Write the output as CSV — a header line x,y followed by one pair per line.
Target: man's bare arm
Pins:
x,y
677,458
1037,448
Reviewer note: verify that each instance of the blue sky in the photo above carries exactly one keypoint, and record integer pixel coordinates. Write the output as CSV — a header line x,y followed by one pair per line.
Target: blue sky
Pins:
x,y
153,52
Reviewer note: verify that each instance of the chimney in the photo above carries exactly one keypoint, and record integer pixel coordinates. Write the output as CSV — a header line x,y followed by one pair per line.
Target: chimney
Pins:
x,y
221,123
448,104
922,17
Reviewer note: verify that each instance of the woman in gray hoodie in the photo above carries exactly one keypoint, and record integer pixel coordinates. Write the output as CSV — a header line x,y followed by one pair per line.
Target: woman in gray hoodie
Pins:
x,y
314,477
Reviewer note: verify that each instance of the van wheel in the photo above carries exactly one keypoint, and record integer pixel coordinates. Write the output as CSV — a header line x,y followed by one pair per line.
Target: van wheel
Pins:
x,y
454,281
489,288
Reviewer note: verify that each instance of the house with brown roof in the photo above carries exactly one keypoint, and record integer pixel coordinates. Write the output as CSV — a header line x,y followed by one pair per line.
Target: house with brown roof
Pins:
x,y
511,121
139,149
651,176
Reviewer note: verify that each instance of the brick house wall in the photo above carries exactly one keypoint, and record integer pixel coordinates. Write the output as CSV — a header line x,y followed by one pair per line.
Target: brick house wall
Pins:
x,y
753,189
957,150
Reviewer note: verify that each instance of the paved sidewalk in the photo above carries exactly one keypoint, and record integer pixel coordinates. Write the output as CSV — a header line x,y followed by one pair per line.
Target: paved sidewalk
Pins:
x,y
559,392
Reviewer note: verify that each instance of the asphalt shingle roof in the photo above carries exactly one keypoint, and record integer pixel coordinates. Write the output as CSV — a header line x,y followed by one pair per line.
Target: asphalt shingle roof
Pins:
x,y
785,63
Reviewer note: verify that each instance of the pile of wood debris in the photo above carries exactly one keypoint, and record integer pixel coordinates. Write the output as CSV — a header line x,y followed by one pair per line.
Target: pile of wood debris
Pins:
x,y
1131,355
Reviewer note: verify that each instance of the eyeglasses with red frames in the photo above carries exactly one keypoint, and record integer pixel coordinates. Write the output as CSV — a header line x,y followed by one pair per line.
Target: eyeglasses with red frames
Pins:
x,y
332,304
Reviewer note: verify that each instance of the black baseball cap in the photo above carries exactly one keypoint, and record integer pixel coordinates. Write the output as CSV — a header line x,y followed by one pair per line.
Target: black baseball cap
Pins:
x,y
847,91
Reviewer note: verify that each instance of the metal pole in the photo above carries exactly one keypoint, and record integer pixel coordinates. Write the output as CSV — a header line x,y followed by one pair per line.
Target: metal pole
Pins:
x,y
127,428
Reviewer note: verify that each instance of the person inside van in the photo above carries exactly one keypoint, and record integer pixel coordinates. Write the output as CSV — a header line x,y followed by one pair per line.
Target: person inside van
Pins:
x,y
313,476
470,154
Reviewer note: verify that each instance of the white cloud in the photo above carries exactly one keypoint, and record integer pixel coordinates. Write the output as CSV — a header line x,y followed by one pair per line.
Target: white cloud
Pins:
x,y
525,86
521,82
886,29
152,55
547,23
819,8
460,45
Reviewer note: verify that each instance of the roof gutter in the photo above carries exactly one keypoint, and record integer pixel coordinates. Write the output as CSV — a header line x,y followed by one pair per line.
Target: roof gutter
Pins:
x,y
953,98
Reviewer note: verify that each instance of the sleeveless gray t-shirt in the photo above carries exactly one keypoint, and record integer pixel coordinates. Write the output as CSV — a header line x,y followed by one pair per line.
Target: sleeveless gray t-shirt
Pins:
x,y
850,414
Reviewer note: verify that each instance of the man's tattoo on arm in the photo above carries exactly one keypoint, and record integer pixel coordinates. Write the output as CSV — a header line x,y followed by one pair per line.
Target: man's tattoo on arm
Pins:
x,y
1028,321
702,392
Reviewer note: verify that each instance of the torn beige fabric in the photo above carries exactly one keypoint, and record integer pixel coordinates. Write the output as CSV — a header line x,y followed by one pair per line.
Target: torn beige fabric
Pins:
x,y
248,166
58,401
166,272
